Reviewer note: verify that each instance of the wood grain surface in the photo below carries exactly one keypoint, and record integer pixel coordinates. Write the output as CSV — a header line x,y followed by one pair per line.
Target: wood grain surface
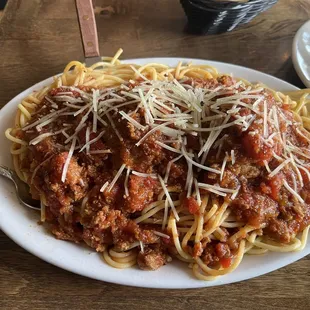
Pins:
x,y
37,39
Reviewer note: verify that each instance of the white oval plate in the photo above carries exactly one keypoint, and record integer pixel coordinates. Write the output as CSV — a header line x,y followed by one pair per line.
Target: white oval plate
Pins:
x,y
301,53
20,224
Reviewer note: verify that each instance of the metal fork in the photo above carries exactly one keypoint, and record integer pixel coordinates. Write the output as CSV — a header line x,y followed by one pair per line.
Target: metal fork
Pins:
x,y
22,189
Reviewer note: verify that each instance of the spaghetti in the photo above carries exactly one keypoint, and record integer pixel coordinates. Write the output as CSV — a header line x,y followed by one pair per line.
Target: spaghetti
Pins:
x,y
145,163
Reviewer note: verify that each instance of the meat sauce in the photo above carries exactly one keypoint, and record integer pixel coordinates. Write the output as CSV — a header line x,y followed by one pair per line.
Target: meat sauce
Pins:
x,y
78,211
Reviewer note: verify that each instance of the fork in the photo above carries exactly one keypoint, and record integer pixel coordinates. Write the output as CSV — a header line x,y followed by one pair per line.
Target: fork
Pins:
x,y
22,189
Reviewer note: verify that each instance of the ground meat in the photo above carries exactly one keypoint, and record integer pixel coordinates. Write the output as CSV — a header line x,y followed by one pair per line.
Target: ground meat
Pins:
x,y
255,146
247,169
226,80
62,234
75,185
197,250
272,187
222,250
209,256
218,255
123,231
56,91
279,230
178,172
191,204
114,225
69,230
141,193
144,157
293,218
114,195
97,145
254,208
133,132
43,149
99,242
74,172
152,258
153,152
229,180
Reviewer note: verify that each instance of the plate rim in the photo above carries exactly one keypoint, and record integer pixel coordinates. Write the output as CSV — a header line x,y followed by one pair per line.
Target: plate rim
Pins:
x,y
299,71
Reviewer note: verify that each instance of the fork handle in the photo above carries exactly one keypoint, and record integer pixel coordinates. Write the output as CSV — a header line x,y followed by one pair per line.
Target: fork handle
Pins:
x,y
7,172
88,27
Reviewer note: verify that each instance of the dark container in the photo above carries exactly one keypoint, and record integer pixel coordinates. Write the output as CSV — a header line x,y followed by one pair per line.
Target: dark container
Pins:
x,y
2,4
210,17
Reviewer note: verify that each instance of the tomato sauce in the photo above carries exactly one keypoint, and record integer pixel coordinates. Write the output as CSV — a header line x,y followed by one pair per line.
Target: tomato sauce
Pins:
x,y
79,211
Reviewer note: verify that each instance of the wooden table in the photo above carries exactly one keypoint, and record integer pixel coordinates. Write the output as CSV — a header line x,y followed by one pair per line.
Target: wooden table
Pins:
x,y
37,39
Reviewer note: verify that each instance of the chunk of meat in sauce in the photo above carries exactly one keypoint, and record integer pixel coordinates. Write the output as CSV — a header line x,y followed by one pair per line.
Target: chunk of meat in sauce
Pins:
x,y
141,192
178,172
246,169
229,180
254,208
143,157
68,232
127,129
123,230
97,241
152,258
226,80
217,254
253,141
222,250
43,149
197,250
56,91
74,173
256,148
273,186
279,230
293,218
95,146
191,204
75,184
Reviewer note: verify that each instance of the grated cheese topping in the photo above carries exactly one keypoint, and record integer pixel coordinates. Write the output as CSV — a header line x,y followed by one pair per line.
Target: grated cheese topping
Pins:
x,y
177,111
118,174
160,234
104,186
145,175
174,211
126,182
67,162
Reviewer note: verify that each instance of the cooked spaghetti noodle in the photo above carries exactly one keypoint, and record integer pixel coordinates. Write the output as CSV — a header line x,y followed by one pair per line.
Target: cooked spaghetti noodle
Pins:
x,y
145,163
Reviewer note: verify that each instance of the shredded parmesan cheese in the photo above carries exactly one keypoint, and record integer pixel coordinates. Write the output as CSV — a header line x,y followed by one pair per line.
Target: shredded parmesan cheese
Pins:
x,y
281,166
223,166
104,186
145,175
293,192
131,120
126,182
174,211
67,162
160,234
118,174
